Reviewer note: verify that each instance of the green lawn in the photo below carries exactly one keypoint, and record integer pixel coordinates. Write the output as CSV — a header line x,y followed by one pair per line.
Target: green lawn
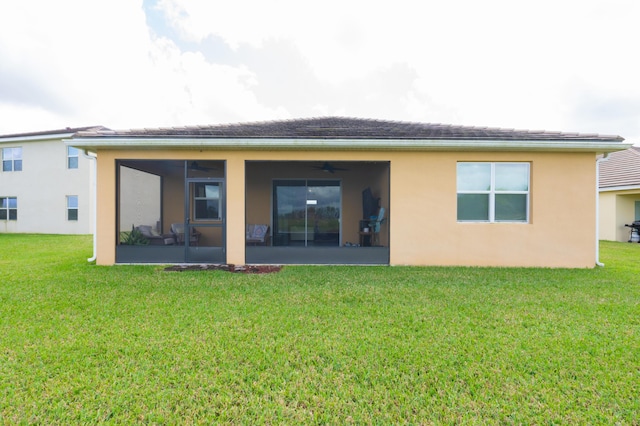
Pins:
x,y
135,344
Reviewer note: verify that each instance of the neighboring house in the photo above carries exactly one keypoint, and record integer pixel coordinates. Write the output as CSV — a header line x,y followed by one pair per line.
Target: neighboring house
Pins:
x,y
619,194
449,195
45,185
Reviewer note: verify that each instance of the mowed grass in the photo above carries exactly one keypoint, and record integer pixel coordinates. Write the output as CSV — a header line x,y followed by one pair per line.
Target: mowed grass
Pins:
x,y
81,343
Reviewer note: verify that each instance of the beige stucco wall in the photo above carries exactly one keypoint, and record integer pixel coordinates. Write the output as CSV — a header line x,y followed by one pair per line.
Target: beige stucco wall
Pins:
x,y
173,194
422,227
42,187
561,231
616,209
607,216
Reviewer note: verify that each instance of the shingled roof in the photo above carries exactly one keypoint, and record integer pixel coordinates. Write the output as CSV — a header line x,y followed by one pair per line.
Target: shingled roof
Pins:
x,y
346,128
622,169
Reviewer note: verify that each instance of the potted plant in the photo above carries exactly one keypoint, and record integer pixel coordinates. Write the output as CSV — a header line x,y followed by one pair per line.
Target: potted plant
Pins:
x,y
133,238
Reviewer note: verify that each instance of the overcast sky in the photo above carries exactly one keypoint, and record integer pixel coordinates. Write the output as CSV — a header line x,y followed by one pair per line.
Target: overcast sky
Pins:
x,y
568,65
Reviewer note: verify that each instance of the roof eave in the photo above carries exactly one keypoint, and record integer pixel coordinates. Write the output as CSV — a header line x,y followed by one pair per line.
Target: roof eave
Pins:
x,y
635,187
37,138
49,134
93,144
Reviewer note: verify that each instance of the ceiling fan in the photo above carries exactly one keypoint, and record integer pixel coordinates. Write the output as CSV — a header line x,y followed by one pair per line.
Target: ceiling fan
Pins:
x,y
329,168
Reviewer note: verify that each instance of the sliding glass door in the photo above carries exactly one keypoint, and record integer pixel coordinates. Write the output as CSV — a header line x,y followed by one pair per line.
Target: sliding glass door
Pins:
x,y
306,212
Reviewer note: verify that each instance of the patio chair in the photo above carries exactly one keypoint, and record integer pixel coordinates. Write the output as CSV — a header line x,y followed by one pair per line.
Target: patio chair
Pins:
x,y
155,238
374,225
178,231
257,234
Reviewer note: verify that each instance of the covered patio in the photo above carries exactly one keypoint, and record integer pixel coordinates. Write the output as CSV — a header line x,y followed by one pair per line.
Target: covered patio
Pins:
x,y
314,212
174,209
319,212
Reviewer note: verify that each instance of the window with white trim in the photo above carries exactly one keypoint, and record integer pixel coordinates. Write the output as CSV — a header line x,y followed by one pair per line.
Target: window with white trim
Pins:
x,y
12,159
493,192
8,208
206,201
72,157
72,207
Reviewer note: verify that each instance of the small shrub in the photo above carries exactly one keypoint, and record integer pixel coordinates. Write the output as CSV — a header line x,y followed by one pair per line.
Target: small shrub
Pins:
x,y
133,238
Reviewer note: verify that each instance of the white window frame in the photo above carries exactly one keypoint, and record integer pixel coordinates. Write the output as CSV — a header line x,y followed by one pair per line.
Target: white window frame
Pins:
x,y
7,208
70,208
73,153
492,192
8,156
196,218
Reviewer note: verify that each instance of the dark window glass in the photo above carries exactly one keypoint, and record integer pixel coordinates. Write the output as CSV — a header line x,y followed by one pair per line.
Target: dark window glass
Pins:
x,y
511,207
206,201
72,207
473,207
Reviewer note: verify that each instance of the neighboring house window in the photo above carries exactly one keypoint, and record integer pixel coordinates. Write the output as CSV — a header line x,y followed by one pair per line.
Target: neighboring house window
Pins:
x,y
11,159
72,157
206,199
493,192
72,207
8,208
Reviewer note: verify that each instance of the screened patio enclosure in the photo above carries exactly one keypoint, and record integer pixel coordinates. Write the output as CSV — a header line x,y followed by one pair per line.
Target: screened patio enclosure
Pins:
x,y
170,211
174,211
317,211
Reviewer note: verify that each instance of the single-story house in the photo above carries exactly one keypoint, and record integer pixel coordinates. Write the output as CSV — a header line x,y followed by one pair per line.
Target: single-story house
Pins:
x,y
619,193
347,191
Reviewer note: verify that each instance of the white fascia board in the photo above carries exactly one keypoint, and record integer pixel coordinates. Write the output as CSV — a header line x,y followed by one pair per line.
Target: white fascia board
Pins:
x,y
620,188
345,144
47,137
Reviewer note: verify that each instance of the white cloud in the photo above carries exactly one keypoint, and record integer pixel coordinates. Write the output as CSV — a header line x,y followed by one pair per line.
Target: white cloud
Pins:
x,y
101,65
543,64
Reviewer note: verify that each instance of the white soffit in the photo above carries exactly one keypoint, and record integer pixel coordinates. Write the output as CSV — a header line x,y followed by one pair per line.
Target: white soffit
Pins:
x,y
120,143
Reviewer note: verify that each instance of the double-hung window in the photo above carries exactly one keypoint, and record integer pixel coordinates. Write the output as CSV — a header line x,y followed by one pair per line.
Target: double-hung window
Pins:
x,y
12,159
72,207
493,192
206,199
72,157
8,208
